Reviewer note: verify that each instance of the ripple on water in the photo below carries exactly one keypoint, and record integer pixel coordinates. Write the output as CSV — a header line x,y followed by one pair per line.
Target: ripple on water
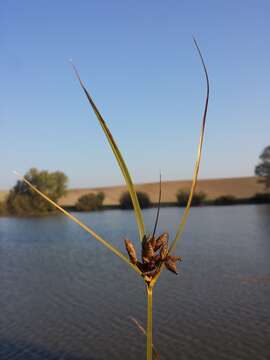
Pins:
x,y
65,297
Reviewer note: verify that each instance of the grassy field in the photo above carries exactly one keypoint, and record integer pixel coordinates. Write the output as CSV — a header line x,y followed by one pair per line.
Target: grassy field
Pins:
x,y
3,194
241,188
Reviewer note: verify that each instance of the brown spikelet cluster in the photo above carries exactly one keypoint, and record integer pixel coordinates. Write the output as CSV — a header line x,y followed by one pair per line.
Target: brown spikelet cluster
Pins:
x,y
155,252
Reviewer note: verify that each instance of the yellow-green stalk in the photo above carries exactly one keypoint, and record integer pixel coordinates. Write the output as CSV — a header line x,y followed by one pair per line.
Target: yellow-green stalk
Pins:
x,y
149,333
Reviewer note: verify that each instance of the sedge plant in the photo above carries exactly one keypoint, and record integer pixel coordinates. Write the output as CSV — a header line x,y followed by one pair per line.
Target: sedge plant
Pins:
x,y
156,254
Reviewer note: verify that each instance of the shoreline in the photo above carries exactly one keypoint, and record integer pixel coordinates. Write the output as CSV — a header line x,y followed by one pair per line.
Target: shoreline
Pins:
x,y
249,201
241,188
218,192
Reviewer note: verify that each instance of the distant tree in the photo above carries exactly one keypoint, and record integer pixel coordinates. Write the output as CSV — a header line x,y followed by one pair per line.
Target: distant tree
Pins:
x,y
183,195
3,209
126,203
225,200
261,198
90,202
22,200
263,169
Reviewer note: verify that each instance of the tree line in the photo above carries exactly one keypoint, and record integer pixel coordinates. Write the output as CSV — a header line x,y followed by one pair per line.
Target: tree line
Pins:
x,y
21,200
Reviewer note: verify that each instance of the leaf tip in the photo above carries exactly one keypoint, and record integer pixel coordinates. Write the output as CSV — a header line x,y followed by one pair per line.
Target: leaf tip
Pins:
x,y
17,173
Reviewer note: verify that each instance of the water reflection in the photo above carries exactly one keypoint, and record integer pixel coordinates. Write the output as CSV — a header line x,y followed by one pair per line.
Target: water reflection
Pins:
x,y
263,215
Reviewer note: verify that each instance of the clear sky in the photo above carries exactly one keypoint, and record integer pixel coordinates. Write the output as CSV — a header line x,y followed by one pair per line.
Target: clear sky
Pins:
x,y
139,63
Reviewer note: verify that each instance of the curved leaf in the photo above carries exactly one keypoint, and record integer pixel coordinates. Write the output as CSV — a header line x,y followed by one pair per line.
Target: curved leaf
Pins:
x,y
82,225
198,160
119,158
196,168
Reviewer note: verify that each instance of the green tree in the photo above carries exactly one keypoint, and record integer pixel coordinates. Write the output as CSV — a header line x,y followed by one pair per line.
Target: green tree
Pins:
x,y
90,202
22,200
263,169
126,203
225,200
183,195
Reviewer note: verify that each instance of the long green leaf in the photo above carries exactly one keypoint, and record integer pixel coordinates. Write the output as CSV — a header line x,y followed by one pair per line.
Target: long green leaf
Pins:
x,y
82,225
199,155
119,158
196,168
158,208
143,331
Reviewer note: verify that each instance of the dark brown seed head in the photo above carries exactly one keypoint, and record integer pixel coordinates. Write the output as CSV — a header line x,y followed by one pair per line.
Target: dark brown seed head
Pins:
x,y
131,251
170,265
157,258
161,240
147,250
153,242
174,258
142,267
151,265
164,251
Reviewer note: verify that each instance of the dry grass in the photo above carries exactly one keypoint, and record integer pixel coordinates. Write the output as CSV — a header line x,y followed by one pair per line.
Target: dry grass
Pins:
x,y
3,195
241,188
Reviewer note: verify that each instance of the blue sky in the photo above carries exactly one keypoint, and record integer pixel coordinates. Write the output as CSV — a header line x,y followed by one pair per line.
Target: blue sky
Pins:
x,y
139,63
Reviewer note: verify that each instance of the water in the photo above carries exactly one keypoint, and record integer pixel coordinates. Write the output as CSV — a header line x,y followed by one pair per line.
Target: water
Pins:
x,y
64,296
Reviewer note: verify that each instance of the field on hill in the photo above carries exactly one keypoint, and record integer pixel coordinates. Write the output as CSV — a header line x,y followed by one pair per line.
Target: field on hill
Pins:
x,y
3,194
240,188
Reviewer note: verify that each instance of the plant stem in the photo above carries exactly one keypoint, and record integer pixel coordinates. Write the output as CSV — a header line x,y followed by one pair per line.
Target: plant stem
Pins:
x,y
149,322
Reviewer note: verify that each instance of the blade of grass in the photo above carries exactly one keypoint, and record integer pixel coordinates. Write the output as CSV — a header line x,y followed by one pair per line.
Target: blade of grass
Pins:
x,y
158,209
77,221
199,155
196,168
142,329
119,158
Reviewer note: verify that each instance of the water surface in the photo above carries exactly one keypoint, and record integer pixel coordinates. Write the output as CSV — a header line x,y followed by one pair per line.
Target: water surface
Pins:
x,y
64,296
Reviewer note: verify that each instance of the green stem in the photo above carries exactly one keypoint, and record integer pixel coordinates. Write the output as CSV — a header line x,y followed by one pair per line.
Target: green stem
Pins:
x,y
149,322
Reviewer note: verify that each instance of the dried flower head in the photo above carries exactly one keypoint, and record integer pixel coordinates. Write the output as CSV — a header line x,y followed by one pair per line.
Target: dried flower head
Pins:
x,y
131,251
155,252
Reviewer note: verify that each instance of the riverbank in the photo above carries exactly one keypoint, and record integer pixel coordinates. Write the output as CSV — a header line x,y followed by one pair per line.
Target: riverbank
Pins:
x,y
218,192
256,200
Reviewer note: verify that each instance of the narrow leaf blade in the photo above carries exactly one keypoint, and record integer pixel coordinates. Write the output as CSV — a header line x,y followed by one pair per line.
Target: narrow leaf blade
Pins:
x,y
77,221
199,155
143,331
119,158
196,168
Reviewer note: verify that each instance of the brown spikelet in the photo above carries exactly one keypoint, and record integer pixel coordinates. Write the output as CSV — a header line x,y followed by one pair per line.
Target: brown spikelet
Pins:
x,y
131,251
157,258
151,265
153,242
147,250
174,258
170,265
161,240
164,251
142,266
